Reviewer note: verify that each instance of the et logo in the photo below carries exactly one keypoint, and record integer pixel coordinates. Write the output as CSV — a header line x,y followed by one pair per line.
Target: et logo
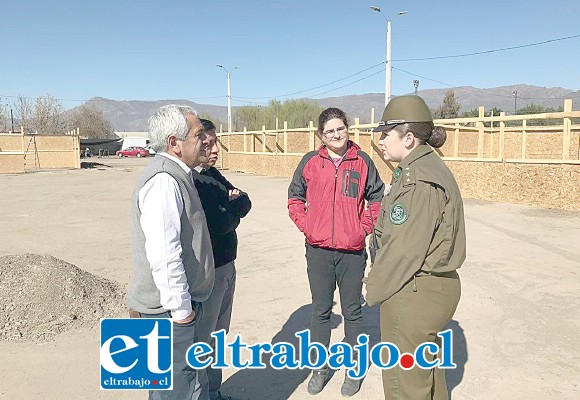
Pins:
x,y
136,353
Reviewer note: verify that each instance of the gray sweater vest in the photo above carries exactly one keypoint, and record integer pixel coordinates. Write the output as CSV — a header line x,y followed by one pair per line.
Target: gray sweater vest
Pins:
x,y
143,295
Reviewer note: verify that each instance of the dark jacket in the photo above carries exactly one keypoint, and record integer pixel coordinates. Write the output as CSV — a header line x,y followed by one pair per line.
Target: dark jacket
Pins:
x,y
223,216
328,203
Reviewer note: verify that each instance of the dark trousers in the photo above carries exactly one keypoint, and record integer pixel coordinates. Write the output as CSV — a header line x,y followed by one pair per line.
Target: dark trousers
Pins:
x,y
412,317
328,268
217,314
188,383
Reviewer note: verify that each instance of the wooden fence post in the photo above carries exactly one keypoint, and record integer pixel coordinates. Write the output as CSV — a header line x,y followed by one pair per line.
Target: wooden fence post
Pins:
x,y
480,133
311,143
456,140
491,136
220,140
245,144
524,138
501,135
356,130
276,141
263,138
229,139
566,136
372,150
285,136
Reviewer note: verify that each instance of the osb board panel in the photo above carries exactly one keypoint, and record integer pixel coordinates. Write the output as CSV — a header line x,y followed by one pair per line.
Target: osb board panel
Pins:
x,y
280,166
51,142
298,142
575,146
364,142
11,163
555,186
539,145
468,144
10,142
53,159
544,185
235,142
544,146
449,146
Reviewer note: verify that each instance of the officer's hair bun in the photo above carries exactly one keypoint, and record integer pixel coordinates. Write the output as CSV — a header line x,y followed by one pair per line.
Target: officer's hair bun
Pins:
x,y
438,137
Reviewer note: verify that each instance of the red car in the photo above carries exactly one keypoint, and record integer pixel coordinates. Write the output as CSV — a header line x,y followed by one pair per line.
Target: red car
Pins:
x,y
133,152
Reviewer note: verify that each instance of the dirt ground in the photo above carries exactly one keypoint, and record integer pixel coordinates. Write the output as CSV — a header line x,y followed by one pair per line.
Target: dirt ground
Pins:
x,y
516,329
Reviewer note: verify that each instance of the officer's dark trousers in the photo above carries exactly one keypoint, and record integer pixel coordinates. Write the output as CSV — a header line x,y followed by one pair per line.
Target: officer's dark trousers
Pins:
x,y
410,318
326,269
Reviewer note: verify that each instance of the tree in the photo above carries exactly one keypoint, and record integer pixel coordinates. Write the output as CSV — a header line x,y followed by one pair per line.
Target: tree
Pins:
x,y
449,108
538,109
298,113
474,113
3,118
23,111
91,123
48,115
216,122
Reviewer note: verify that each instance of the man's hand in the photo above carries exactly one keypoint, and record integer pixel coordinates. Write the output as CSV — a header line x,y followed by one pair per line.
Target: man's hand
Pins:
x,y
234,194
187,319
364,294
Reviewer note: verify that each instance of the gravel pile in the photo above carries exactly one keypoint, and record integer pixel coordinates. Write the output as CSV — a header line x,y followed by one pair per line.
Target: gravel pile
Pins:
x,y
42,296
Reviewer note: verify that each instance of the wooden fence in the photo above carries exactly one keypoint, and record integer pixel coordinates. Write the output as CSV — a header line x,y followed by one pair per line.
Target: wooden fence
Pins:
x,y
501,138
532,159
20,152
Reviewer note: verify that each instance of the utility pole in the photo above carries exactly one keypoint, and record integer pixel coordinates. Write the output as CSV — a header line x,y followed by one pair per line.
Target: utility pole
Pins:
x,y
388,54
515,93
229,97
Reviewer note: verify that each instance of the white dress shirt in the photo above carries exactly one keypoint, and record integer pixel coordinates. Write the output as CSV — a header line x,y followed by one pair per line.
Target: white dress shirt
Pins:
x,y
161,205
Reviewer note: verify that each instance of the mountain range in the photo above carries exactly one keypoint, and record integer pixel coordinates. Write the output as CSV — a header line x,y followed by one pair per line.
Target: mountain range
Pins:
x,y
131,116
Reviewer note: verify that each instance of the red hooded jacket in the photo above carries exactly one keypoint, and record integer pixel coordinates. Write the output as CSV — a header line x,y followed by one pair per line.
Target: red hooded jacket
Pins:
x,y
327,203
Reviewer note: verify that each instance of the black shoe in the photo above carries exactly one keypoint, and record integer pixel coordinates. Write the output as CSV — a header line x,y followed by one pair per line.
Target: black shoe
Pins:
x,y
350,386
317,381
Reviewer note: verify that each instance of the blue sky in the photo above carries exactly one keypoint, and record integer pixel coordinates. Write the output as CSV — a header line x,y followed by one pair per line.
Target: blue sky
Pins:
x,y
153,49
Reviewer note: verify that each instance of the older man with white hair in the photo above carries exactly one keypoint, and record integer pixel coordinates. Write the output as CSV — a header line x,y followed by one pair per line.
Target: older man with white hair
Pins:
x,y
172,252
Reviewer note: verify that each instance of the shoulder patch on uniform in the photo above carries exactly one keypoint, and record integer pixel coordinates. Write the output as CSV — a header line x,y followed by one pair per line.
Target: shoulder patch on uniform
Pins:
x,y
399,213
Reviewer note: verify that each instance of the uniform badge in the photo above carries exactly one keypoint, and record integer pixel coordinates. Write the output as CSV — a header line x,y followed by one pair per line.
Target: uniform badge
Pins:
x,y
399,214
397,173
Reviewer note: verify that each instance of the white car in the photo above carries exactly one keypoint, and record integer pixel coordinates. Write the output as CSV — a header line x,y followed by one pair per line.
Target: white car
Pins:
x,y
150,150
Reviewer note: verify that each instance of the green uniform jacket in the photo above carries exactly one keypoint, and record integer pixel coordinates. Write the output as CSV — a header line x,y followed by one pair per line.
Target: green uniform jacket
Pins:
x,y
420,228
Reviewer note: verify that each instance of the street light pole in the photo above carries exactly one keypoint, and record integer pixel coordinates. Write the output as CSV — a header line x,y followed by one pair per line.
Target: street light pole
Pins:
x,y
388,65
416,84
229,97
388,71
515,93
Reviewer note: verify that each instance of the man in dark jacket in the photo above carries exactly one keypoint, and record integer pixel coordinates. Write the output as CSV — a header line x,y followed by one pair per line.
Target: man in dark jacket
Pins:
x,y
223,205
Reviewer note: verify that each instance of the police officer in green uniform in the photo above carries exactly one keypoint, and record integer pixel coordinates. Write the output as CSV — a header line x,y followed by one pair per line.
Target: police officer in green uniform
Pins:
x,y
421,243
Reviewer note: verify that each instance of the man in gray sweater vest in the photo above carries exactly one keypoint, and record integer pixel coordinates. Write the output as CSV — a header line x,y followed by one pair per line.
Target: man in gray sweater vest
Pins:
x,y
172,252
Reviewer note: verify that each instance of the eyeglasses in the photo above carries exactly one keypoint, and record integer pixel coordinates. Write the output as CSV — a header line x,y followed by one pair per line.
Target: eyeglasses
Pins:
x,y
340,130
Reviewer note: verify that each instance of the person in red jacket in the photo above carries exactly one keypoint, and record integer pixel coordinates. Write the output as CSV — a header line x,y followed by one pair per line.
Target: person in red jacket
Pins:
x,y
326,201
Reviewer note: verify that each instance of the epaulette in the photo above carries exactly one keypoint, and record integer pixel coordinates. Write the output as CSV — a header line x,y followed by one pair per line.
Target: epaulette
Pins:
x,y
408,177
405,175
